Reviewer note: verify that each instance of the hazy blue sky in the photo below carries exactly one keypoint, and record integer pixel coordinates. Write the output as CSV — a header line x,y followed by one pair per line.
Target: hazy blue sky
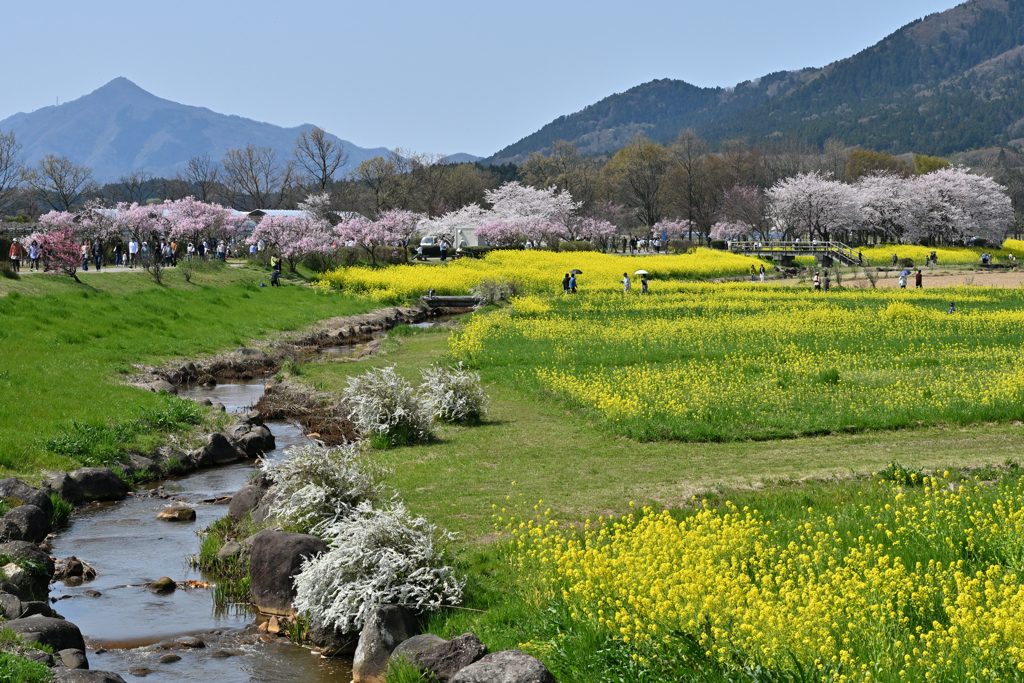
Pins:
x,y
448,77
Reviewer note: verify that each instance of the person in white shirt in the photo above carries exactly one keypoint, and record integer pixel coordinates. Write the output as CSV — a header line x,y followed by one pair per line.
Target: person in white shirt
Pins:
x,y
625,283
133,252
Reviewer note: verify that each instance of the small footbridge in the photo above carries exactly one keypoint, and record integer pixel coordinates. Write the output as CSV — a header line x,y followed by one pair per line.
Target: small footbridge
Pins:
x,y
783,253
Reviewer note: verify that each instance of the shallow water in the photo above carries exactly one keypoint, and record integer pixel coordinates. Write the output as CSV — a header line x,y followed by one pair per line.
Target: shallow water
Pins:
x,y
129,547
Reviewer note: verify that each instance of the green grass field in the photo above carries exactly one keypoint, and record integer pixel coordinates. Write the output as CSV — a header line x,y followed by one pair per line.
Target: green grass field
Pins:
x,y
558,454
66,346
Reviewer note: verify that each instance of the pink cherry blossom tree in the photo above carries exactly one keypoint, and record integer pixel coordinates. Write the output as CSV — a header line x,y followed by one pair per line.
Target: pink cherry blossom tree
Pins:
x,y
394,229
724,230
60,251
192,220
952,205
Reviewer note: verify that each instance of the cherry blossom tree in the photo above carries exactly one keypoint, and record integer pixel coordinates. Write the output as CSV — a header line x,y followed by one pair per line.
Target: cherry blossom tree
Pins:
x,y
192,220
394,228
60,251
884,200
449,225
815,205
952,205
724,230
673,227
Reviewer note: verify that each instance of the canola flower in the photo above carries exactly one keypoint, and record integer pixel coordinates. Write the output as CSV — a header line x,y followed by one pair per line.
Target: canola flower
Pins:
x,y
719,362
539,271
923,588
882,256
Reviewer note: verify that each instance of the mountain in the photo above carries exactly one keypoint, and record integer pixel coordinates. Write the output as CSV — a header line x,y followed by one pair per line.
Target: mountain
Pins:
x,y
121,128
463,158
943,84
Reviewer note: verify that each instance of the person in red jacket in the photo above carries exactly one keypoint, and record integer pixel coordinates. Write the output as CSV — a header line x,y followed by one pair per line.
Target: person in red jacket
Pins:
x,y
16,254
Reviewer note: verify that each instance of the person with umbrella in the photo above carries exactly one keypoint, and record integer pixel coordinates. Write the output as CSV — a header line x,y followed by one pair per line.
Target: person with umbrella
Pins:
x,y
643,281
903,278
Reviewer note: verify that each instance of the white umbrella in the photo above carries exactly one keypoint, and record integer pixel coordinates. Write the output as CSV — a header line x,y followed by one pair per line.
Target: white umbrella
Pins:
x,y
641,272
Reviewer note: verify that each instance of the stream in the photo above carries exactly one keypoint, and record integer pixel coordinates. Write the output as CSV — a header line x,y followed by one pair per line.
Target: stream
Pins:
x,y
128,547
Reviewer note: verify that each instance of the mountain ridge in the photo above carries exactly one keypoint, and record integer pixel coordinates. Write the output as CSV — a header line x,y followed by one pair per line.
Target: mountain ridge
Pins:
x,y
948,82
120,127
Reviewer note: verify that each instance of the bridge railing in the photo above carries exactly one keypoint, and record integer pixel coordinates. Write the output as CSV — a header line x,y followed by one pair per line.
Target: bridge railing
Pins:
x,y
795,248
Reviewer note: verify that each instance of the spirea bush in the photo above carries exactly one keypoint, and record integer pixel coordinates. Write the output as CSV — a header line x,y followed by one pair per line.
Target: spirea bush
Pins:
x,y
454,394
492,291
317,485
387,410
376,557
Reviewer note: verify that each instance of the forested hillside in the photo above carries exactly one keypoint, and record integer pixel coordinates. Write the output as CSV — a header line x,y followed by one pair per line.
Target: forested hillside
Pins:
x,y
947,83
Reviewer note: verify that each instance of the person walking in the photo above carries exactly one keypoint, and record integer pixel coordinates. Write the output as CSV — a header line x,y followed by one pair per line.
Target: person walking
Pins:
x,y
825,282
97,254
190,251
860,257
753,273
762,272
623,244
894,259
817,283
444,250
144,254
133,252
625,283
565,284
903,280
118,254
85,256
952,308
917,280
16,253
643,285
33,256
572,283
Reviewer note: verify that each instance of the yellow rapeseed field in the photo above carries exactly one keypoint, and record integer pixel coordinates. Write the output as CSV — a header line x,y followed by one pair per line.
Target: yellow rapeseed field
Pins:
x,y
882,256
538,271
922,587
713,362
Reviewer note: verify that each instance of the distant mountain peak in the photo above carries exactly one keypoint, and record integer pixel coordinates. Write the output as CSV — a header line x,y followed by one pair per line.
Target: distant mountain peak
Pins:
x,y
120,127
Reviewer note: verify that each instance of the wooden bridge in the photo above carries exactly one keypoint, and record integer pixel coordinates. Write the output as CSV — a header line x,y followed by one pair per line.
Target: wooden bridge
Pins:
x,y
783,253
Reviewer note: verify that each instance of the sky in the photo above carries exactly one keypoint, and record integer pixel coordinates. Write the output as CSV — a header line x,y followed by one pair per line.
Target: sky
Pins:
x,y
438,77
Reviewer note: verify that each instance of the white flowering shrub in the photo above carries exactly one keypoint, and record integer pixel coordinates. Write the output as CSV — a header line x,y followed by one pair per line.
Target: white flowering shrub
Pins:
x,y
376,557
492,291
387,410
318,485
453,394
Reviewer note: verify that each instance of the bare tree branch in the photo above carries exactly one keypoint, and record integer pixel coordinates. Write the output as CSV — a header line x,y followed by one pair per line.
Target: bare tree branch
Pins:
x,y
320,156
60,183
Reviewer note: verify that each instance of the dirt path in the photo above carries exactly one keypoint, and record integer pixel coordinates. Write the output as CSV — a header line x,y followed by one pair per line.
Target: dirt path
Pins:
x,y
930,279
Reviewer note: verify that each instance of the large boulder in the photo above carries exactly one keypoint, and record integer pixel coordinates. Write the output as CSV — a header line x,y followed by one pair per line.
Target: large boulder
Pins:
x,y
177,513
73,659
172,461
25,523
446,660
15,488
218,450
253,443
62,484
245,500
385,629
509,666
274,560
262,512
84,676
333,642
57,633
10,606
415,646
100,483
29,551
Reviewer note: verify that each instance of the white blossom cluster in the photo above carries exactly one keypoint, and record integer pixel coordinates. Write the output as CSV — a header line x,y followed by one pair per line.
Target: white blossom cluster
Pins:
x,y
384,403
491,290
376,557
453,393
317,485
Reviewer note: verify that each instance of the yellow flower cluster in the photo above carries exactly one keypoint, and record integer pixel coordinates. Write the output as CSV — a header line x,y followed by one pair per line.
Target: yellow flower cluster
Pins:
x,y
870,603
538,271
882,256
714,362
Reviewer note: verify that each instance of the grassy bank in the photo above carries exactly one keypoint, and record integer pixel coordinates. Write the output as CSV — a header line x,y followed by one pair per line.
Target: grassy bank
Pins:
x,y
556,454
65,347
